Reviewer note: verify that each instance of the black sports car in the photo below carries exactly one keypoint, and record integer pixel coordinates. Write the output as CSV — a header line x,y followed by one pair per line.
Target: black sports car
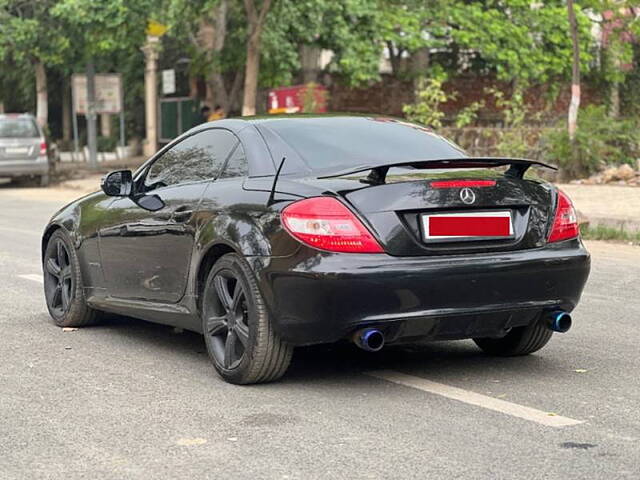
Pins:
x,y
268,233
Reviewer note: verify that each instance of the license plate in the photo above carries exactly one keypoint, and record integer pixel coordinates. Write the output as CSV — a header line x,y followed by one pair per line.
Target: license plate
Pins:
x,y
16,150
467,226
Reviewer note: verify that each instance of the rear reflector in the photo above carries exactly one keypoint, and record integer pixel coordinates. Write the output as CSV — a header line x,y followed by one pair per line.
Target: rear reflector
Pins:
x,y
565,223
43,148
327,224
463,183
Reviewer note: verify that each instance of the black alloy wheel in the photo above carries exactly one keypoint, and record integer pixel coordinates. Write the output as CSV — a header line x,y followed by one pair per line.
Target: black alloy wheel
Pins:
x,y
63,284
228,324
237,328
58,278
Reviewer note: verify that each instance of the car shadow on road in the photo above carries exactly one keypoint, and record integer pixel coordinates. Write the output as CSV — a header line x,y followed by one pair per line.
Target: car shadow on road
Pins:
x,y
343,360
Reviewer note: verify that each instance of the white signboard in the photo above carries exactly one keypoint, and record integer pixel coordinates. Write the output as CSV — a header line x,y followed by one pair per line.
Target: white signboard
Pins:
x,y
168,81
108,93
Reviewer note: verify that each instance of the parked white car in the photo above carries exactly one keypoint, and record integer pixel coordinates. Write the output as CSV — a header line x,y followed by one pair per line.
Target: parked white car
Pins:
x,y
24,150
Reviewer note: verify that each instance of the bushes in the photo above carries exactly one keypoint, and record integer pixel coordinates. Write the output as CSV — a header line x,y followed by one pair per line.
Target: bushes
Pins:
x,y
600,140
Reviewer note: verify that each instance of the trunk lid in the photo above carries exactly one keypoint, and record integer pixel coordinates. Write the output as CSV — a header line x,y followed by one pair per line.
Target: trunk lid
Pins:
x,y
12,149
395,212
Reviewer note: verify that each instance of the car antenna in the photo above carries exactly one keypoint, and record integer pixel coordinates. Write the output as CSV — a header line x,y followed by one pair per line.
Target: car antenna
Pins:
x,y
275,181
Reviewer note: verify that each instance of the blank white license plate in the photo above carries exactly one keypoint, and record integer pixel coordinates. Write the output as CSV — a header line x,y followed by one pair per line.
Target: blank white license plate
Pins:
x,y
16,150
467,226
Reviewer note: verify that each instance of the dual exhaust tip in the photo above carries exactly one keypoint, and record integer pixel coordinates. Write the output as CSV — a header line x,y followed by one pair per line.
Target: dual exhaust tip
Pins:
x,y
372,339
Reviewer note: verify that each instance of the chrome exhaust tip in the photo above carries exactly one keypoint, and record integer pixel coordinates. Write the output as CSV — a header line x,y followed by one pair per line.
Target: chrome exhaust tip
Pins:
x,y
559,321
369,339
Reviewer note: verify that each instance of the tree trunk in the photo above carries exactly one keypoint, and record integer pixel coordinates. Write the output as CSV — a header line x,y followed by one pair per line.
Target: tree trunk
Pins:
x,y
572,121
66,111
42,100
252,69
255,21
105,125
211,37
310,63
395,58
614,108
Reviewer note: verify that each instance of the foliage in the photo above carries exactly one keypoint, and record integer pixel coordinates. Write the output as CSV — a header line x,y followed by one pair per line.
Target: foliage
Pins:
x,y
313,98
468,114
28,32
429,97
599,140
513,140
107,144
602,232
98,27
523,42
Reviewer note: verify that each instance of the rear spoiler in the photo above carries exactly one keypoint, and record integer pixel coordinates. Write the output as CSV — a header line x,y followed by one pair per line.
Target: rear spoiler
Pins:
x,y
378,173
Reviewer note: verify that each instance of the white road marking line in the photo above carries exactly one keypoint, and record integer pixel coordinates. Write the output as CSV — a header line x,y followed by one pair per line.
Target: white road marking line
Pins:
x,y
34,277
477,399
21,231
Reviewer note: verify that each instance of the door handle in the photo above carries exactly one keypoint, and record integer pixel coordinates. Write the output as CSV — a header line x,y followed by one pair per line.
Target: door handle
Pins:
x,y
181,214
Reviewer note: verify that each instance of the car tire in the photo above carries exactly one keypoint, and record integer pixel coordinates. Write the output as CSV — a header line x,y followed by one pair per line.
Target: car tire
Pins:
x,y
237,327
63,288
519,341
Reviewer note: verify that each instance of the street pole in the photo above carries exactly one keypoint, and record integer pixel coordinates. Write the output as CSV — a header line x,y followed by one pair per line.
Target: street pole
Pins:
x,y
92,140
151,53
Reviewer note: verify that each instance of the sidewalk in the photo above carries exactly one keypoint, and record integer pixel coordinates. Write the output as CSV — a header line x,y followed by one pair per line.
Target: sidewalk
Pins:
x,y
607,205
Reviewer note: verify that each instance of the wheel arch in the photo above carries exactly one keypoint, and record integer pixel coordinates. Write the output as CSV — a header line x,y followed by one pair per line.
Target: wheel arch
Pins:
x,y
209,257
46,236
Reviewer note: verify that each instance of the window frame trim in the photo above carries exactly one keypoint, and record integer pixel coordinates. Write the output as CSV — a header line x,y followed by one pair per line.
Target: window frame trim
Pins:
x,y
142,172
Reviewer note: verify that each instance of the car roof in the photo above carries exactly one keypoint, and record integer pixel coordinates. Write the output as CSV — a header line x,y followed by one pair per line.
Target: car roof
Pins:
x,y
239,123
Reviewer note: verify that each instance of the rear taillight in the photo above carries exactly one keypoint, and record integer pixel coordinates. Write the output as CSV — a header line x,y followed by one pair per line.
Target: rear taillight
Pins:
x,y
43,148
327,224
565,223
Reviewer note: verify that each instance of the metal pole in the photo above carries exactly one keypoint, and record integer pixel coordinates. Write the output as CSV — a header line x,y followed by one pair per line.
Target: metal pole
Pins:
x,y
92,138
75,118
122,132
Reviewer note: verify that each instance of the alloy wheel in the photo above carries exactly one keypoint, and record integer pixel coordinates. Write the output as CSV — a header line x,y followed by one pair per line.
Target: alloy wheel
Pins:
x,y
58,279
227,324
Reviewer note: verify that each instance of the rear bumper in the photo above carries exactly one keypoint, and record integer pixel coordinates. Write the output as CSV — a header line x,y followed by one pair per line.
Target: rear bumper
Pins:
x,y
16,168
317,297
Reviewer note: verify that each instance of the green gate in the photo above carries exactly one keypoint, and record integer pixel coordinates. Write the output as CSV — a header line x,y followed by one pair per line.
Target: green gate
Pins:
x,y
177,115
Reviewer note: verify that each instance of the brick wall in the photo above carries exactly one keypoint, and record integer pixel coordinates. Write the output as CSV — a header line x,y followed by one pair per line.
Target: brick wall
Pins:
x,y
390,94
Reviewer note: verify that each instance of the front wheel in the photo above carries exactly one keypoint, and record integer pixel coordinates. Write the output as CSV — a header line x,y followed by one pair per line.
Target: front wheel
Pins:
x,y
519,341
238,331
63,284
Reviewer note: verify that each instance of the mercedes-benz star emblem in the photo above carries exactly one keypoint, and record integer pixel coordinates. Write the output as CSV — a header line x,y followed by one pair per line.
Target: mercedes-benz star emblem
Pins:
x,y
467,196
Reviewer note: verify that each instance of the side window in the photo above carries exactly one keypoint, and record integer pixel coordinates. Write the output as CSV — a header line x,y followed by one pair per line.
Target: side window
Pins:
x,y
198,157
237,166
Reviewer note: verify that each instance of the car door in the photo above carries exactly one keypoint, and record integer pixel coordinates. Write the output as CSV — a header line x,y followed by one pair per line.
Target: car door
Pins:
x,y
146,254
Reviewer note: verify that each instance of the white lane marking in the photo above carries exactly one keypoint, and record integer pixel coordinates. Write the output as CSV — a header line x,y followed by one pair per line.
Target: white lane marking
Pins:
x,y
33,277
20,230
477,399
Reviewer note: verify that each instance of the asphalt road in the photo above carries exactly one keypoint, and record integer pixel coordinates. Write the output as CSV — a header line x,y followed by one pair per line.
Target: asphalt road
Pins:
x,y
130,399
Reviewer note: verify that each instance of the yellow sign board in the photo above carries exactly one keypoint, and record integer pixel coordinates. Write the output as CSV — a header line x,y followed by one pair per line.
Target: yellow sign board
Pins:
x,y
155,29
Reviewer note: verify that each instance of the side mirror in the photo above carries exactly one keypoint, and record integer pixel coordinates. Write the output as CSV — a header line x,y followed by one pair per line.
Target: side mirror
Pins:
x,y
118,183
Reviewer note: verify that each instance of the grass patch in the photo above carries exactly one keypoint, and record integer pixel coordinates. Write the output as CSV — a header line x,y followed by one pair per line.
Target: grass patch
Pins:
x,y
601,232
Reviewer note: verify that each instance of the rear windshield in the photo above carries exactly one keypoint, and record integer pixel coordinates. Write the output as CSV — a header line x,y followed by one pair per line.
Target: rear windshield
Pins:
x,y
18,128
344,142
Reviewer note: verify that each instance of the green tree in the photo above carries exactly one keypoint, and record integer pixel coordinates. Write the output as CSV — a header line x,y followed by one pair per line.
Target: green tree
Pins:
x,y
523,42
32,39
